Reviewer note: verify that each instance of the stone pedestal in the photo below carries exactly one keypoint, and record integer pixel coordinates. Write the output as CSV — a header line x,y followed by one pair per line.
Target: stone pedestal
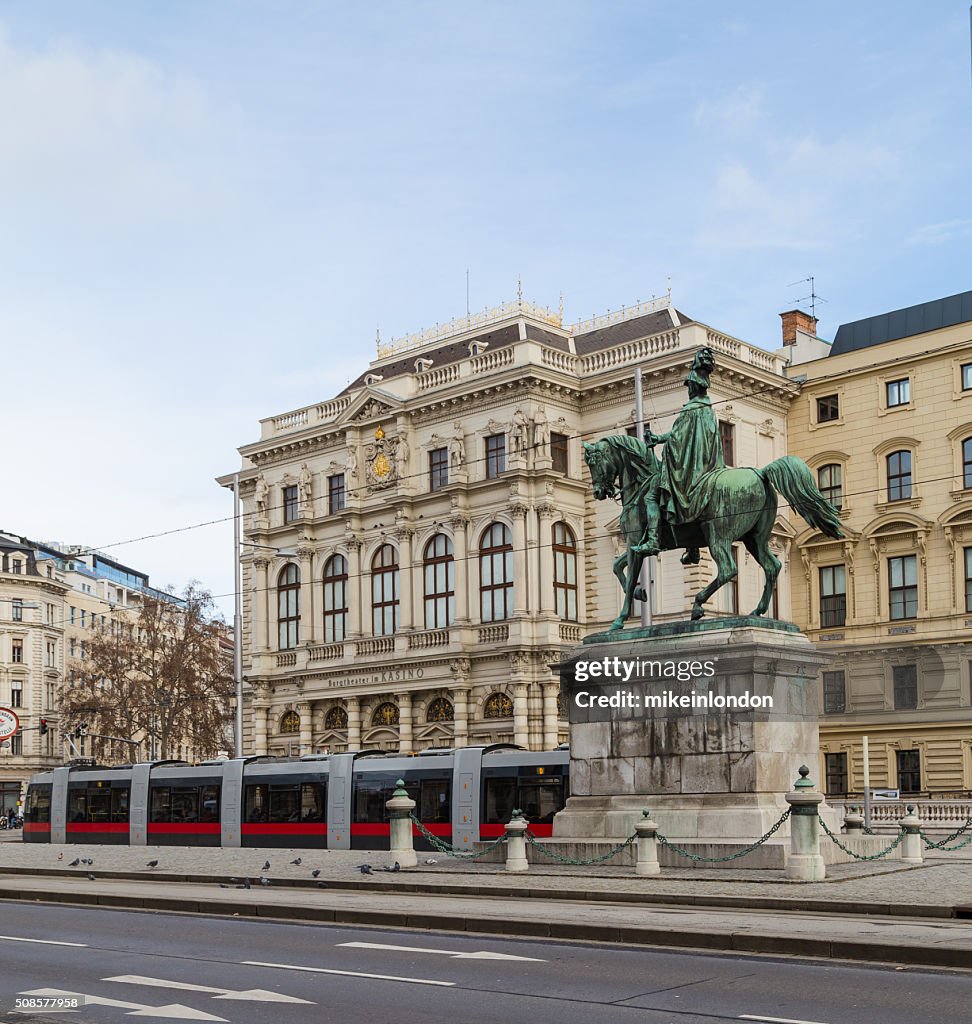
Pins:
x,y
714,776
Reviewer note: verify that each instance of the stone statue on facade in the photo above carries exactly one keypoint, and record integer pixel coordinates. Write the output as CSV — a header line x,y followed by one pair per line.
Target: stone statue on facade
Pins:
x,y
352,465
518,432
401,458
306,488
541,433
689,498
260,495
457,447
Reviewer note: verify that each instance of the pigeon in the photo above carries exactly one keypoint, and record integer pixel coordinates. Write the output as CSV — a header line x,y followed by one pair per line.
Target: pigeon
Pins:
x,y
322,885
431,860
264,881
397,867
315,872
245,885
365,869
91,877
297,861
152,864
74,863
223,885
89,862
266,867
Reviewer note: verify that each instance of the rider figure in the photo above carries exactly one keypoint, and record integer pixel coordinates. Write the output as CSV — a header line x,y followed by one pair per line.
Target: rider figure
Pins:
x,y
693,448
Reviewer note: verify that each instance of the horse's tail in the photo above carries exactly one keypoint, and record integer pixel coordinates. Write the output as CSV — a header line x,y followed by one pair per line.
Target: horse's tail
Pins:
x,y
792,478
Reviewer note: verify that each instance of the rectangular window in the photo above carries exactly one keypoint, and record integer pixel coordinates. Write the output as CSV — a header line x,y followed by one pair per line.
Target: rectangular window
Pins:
x,y
438,468
835,693
727,434
18,610
968,579
335,493
16,694
967,376
17,743
899,392
16,567
83,620
833,596
558,452
290,503
905,687
495,455
828,408
17,652
909,770
903,587
899,476
73,612
836,765
50,615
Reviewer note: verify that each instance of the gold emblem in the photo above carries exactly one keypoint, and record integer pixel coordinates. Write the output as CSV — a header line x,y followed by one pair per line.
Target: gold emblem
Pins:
x,y
381,465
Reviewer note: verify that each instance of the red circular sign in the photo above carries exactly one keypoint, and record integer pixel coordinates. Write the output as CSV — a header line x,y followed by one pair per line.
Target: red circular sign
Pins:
x,y
9,723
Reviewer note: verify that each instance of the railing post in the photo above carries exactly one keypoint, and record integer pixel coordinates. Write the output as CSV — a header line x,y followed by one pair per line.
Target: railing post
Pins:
x,y
911,852
400,808
804,863
853,821
516,859
647,862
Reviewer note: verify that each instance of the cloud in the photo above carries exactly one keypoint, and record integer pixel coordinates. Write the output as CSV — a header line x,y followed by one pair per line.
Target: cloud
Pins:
x,y
941,232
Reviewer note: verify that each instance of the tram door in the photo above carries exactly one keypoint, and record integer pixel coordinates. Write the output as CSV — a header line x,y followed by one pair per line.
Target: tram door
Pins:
x,y
340,771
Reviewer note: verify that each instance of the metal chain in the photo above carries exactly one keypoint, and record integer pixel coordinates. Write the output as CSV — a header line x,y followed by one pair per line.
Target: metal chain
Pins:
x,y
861,856
940,845
561,859
732,856
449,850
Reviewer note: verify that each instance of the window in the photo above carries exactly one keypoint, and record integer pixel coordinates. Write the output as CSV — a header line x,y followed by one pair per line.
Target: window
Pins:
x,y
16,694
440,582
384,591
968,579
289,802
898,392
558,452
967,463
829,482
291,504
833,596
288,607
967,376
16,566
438,468
18,610
828,408
903,587
17,652
17,743
498,705
73,611
565,572
335,599
835,693
905,687
50,615
440,710
495,455
496,573
83,618
290,722
836,765
335,493
336,718
51,653
727,434
899,476
909,770
385,714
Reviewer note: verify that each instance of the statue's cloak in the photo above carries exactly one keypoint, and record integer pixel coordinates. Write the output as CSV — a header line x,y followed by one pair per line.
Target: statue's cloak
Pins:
x,y
692,462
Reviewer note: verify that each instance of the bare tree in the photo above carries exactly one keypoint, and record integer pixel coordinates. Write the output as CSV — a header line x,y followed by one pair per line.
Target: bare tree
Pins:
x,y
162,677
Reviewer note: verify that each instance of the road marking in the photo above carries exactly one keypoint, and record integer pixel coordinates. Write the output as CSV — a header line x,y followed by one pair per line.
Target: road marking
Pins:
x,y
257,995
481,955
43,942
173,1011
777,1020
349,974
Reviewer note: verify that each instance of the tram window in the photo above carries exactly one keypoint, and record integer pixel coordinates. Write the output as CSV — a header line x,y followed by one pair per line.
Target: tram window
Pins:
x,y
99,805
119,803
256,803
540,799
500,799
434,805
77,805
38,806
373,791
185,803
209,803
284,803
311,802
161,804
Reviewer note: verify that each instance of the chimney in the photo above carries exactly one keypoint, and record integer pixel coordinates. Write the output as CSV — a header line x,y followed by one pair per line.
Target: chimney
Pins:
x,y
796,320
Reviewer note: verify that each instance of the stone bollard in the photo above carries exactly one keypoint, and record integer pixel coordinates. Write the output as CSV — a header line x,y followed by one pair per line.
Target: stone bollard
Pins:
x,y
516,858
911,851
400,808
853,821
804,863
647,862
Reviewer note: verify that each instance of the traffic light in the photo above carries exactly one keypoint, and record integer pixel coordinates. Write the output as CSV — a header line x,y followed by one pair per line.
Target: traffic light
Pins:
x,y
80,729
43,727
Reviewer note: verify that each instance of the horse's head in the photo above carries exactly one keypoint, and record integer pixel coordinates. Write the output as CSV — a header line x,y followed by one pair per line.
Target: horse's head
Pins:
x,y
603,472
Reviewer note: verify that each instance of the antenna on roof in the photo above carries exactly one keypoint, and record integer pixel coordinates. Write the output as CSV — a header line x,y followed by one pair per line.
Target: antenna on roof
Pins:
x,y
813,298
467,291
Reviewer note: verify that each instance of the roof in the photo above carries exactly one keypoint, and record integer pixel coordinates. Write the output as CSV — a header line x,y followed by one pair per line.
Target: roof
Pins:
x,y
903,323
627,330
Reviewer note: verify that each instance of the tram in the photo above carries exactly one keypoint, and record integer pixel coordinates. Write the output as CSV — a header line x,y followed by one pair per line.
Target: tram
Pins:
x,y
322,801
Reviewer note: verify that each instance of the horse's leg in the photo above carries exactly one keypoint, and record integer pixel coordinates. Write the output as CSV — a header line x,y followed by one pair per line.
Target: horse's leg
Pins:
x,y
757,544
721,551
634,561
618,563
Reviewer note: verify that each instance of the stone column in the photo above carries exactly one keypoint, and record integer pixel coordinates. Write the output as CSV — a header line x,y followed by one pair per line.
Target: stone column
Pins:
x,y
545,570
647,862
406,615
464,568
551,715
355,587
460,704
354,723
535,705
400,808
261,600
911,851
404,722
308,626
516,858
260,709
521,578
521,710
306,712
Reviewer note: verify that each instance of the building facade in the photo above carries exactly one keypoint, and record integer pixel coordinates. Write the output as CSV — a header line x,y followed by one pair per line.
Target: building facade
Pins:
x,y
421,548
885,421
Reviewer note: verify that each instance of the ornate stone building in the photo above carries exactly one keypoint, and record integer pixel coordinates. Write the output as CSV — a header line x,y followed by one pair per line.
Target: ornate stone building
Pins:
x,y
420,548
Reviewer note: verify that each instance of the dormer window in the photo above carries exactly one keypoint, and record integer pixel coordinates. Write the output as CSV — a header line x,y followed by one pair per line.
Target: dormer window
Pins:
x,y
422,365
477,348
372,379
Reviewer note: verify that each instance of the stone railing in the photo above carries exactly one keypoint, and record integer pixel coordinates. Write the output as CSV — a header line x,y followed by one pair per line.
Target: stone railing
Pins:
x,y
287,660
933,813
430,638
570,634
326,652
489,362
309,416
630,352
494,634
439,376
559,360
380,645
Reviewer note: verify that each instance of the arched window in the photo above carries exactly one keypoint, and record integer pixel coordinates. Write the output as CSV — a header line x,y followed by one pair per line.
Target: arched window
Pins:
x,y
335,599
385,714
336,718
496,573
967,463
290,722
829,480
498,705
440,583
288,607
384,591
565,572
899,476
440,710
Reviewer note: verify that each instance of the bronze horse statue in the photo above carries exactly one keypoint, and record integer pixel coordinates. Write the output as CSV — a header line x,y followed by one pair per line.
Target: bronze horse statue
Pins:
x,y
741,506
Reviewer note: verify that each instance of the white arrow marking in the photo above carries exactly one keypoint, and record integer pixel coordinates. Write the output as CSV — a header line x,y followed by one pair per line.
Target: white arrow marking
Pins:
x,y
481,955
43,942
349,974
776,1020
260,995
173,1010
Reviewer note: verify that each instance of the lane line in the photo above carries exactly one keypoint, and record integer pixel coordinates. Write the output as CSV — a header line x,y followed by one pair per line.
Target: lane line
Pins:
x,y
349,974
480,955
43,942
777,1020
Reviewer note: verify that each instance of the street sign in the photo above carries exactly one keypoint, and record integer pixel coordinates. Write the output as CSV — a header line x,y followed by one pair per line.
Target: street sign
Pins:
x,y
9,723
885,794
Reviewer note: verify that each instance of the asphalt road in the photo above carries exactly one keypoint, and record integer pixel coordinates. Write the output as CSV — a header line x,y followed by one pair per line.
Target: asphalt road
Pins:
x,y
180,967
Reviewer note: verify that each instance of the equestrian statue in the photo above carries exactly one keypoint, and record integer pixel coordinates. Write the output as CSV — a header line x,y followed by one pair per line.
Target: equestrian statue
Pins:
x,y
690,499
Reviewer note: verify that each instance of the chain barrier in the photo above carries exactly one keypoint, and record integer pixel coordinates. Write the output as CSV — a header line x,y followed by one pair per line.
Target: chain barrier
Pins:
x,y
862,856
942,843
449,850
577,861
732,856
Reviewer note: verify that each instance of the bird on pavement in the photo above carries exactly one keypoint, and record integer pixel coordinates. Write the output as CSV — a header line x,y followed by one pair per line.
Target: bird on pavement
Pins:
x,y
264,881
91,877
152,864
266,866
245,885
365,869
89,861
223,885
315,872
297,861
396,867
74,863
322,885
431,860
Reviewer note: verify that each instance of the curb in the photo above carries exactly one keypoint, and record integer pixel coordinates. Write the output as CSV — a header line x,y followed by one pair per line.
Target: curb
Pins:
x,y
749,942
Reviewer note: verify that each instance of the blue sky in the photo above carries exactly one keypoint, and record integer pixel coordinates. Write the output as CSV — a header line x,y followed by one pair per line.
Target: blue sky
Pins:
x,y
206,209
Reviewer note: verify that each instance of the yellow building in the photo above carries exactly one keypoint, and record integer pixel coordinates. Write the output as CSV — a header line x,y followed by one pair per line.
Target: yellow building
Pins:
x,y
885,421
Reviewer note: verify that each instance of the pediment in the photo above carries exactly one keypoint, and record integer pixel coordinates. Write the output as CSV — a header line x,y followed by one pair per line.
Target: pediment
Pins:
x,y
371,405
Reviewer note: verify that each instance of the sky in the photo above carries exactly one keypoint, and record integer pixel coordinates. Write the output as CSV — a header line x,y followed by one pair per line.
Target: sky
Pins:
x,y
207,209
